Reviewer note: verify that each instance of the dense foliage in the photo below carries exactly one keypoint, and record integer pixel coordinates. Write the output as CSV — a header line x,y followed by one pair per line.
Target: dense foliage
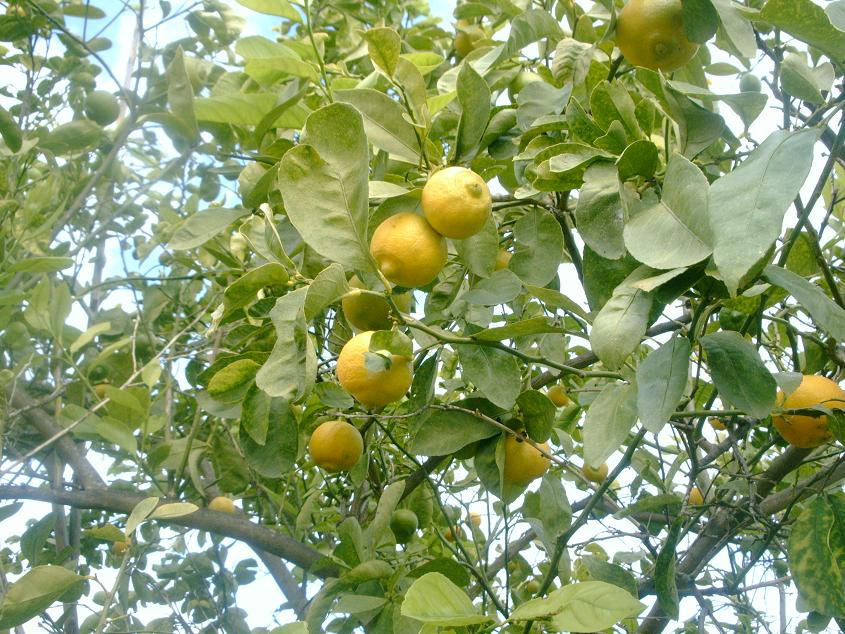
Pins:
x,y
184,208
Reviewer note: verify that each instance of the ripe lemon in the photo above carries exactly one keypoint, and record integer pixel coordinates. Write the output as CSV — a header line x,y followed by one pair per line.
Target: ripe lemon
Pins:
x,y
717,423
650,33
404,524
366,311
372,389
118,548
558,396
595,475
475,519
523,463
407,250
502,259
695,497
223,504
336,446
467,37
808,431
450,535
456,202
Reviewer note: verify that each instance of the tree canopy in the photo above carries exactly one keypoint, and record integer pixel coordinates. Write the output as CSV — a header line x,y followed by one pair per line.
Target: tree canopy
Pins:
x,y
608,402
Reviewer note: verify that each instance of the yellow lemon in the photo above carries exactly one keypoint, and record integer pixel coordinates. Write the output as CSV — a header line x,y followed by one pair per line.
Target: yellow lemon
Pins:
x,y
651,34
695,497
595,475
456,202
372,389
808,431
223,504
523,463
502,259
336,446
558,396
407,250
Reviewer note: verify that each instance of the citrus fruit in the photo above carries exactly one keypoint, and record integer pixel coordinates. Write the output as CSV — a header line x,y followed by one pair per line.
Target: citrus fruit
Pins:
x,y
371,389
595,475
456,202
808,431
717,423
750,83
118,548
336,446
650,33
695,497
519,82
404,524
223,504
523,463
475,519
101,107
502,259
366,311
449,534
532,586
100,390
467,37
558,396
407,250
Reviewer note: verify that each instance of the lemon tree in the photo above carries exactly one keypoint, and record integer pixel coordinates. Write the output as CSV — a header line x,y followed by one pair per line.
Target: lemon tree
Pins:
x,y
504,317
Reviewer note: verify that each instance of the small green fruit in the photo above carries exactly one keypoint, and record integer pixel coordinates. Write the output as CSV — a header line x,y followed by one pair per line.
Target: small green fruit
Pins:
x,y
404,524
101,107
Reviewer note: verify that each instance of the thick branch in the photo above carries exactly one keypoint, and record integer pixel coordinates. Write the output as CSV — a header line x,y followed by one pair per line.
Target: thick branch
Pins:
x,y
224,524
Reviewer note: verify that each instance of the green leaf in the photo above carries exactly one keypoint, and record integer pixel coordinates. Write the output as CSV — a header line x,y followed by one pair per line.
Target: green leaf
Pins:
x,y
384,122
478,252
173,509
327,288
244,290
808,22
35,592
521,328
75,136
434,599
737,27
394,341
180,96
384,46
816,553
108,532
661,379
323,183
599,214
739,373
255,414
10,131
494,372
581,607
539,247
747,205
201,227
678,223
247,110
290,370
474,97
230,383
621,323
142,511
609,420
610,573
450,568
664,573
43,264
611,102
667,503
378,532
547,510
117,432
268,70
528,27
280,8
276,455
803,82
440,433
500,288
824,311
641,158
700,20
538,414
